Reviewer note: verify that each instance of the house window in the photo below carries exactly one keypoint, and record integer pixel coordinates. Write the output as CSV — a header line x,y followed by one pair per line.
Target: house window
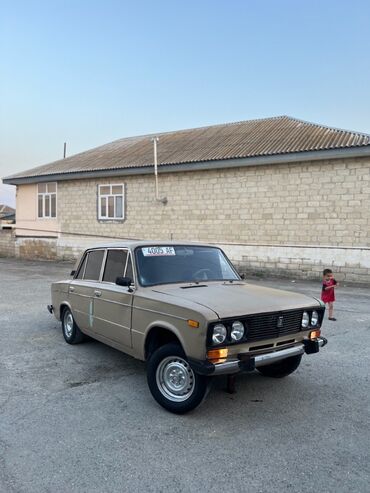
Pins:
x,y
111,204
47,200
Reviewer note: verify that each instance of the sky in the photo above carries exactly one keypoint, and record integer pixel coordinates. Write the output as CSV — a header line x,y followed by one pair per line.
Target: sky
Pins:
x,y
89,72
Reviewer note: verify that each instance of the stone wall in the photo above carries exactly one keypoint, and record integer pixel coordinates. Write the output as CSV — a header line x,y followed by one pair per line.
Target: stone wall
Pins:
x,y
36,248
301,262
7,243
318,203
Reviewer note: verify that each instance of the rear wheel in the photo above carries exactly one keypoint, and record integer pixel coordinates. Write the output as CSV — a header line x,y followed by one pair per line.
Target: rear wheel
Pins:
x,y
172,381
281,368
71,331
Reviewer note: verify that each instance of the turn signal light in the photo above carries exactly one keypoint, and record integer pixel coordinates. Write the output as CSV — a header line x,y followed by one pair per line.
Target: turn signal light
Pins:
x,y
217,355
193,323
314,334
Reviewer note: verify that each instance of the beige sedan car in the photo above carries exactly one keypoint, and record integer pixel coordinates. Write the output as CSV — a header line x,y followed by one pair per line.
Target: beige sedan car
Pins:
x,y
184,309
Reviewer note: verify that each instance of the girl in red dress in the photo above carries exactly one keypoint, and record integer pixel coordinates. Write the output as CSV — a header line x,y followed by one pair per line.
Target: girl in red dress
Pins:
x,y
329,284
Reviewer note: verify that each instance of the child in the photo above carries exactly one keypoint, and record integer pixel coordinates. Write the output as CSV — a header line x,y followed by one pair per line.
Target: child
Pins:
x,y
329,284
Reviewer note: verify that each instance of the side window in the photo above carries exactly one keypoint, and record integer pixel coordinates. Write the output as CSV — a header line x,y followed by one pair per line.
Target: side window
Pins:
x,y
115,265
81,270
129,272
93,266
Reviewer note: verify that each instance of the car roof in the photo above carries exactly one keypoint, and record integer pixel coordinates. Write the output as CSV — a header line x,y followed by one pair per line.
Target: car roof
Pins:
x,y
132,244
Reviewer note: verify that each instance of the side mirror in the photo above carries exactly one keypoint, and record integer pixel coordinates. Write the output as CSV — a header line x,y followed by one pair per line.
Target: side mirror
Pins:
x,y
124,281
242,276
73,272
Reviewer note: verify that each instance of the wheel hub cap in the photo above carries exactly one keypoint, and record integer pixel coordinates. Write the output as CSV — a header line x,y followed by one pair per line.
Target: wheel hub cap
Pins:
x,y
175,379
68,324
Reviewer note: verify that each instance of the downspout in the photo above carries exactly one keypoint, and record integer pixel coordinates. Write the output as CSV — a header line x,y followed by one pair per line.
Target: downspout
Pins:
x,y
163,199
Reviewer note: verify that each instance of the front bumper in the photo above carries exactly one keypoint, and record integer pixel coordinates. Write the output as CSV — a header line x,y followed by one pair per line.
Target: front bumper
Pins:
x,y
247,362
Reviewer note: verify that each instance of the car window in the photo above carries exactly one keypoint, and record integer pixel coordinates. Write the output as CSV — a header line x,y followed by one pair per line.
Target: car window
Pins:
x,y
115,265
129,272
81,269
93,266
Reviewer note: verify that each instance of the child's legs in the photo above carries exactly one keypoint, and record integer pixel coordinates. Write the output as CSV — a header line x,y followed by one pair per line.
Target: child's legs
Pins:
x,y
331,309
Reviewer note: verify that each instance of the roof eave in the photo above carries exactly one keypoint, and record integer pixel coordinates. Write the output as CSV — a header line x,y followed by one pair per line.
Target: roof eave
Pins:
x,y
288,158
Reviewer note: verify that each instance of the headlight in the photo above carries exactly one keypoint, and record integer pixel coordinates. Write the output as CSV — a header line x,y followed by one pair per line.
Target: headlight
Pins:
x,y
314,318
305,320
237,330
219,334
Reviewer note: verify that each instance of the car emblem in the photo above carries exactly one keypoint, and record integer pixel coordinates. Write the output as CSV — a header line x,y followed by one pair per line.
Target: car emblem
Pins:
x,y
280,322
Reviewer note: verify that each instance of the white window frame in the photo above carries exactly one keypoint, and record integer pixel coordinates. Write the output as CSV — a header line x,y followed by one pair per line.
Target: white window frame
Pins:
x,y
106,197
44,195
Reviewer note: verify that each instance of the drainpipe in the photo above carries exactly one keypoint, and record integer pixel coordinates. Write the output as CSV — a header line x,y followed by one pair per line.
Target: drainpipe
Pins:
x,y
163,199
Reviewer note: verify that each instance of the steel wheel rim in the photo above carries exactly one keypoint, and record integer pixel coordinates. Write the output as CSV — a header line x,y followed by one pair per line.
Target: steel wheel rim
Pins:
x,y
175,379
68,324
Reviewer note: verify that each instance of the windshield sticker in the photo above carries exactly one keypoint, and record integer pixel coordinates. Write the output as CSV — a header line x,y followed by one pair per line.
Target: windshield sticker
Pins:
x,y
158,251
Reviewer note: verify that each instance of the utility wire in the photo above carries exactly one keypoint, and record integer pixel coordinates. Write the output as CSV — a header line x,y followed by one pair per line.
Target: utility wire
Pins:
x,y
70,233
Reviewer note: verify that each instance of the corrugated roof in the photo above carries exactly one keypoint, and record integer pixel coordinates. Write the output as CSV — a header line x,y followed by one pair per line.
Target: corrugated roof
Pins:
x,y
251,138
5,209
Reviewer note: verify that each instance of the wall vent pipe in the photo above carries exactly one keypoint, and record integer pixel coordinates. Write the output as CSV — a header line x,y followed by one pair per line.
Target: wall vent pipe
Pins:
x,y
163,200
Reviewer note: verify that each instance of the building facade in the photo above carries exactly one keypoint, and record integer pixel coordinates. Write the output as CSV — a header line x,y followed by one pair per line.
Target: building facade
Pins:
x,y
283,213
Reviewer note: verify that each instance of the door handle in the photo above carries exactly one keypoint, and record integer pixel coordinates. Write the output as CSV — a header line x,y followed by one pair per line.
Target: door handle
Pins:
x,y
71,289
97,294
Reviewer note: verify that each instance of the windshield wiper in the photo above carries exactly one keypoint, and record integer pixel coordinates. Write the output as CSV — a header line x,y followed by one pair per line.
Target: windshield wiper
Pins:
x,y
195,286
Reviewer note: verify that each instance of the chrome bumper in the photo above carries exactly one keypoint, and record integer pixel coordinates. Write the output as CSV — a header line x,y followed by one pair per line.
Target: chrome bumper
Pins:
x,y
236,366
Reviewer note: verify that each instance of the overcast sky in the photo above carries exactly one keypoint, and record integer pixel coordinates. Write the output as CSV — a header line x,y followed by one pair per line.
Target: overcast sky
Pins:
x,y
89,72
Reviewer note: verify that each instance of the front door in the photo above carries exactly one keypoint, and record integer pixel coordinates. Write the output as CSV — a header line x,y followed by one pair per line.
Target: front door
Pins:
x,y
113,303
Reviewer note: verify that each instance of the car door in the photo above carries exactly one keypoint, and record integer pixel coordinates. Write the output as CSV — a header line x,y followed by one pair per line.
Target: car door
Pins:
x,y
113,303
82,288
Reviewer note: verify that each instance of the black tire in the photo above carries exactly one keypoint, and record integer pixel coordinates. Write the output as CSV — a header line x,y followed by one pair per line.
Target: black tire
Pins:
x,y
170,361
282,368
71,331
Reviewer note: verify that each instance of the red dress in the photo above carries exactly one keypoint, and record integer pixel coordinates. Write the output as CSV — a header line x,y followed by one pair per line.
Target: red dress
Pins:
x,y
328,295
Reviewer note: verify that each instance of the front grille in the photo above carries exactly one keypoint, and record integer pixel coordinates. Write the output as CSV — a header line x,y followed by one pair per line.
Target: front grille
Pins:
x,y
265,326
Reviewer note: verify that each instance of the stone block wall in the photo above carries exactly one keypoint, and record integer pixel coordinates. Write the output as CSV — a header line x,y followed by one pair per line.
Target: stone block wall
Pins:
x,y
7,243
317,203
36,248
301,262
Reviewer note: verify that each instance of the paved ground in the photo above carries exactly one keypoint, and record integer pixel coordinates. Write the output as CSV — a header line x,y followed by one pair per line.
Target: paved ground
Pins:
x,y
81,419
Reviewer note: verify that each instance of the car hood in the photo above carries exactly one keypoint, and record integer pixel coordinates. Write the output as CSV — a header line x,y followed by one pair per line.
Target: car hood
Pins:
x,y
237,299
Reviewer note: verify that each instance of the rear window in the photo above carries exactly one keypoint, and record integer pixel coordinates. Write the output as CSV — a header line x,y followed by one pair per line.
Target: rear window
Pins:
x,y
81,269
93,266
115,265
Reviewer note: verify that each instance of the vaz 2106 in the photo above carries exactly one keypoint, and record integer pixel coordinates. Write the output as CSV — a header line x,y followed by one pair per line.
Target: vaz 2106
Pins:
x,y
184,309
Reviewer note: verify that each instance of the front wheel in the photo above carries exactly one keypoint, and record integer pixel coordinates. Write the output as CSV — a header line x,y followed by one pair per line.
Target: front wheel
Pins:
x,y
172,382
281,368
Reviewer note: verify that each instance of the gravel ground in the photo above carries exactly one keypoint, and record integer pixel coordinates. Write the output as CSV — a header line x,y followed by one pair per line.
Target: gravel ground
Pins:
x,y
81,419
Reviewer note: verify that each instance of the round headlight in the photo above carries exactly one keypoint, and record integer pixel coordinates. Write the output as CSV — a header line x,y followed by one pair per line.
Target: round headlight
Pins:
x,y
314,318
219,334
305,320
237,330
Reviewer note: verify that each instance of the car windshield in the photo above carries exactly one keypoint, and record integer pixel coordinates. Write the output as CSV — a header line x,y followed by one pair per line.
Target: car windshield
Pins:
x,y
179,264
